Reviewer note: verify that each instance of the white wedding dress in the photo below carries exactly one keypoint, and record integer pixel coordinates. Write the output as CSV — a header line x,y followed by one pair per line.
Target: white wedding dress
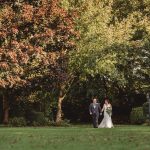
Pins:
x,y
107,121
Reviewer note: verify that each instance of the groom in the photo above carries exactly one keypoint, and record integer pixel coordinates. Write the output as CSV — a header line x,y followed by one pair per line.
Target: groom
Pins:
x,y
95,110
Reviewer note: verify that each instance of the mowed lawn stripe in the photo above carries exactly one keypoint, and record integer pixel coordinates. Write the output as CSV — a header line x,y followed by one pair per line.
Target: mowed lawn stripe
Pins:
x,y
75,138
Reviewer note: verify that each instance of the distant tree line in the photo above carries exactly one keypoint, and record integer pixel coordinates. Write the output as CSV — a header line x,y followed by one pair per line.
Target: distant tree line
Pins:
x,y
55,56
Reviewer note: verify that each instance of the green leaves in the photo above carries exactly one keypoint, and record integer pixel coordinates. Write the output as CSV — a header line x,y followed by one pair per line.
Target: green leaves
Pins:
x,y
113,36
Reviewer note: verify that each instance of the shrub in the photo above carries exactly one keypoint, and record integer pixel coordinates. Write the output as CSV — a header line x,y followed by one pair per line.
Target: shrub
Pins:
x,y
45,122
147,122
137,116
37,119
17,122
63,123
146,109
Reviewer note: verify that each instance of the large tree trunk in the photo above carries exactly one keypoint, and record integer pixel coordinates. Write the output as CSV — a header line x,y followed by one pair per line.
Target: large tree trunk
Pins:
x,y
62,94
59,107
59,110
5,109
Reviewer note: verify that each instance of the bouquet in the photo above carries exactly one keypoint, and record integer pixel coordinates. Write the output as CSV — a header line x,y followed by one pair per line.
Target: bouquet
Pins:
x,y
109,111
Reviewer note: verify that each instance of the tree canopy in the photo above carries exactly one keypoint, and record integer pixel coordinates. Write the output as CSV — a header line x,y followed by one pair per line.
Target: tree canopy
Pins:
x,y
59,47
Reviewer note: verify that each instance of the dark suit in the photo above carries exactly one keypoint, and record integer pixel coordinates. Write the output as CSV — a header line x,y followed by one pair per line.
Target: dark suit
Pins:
x,y
95,110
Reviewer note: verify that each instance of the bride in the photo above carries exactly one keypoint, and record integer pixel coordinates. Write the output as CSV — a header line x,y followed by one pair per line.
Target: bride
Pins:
x,y
107,121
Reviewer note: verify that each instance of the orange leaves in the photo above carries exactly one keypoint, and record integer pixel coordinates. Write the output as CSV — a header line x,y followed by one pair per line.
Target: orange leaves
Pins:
x,y
13,56
49,32
4,65
6,13
14,80
14,30
40,12
3,83
27,12
53,56
15,44
2,34
32,40
22,57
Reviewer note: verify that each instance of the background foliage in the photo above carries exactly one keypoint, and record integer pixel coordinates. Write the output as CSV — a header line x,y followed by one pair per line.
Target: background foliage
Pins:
x,y
55,56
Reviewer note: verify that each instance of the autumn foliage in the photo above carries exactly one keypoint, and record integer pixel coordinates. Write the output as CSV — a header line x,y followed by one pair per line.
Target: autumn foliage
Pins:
x,y
35,37
32,37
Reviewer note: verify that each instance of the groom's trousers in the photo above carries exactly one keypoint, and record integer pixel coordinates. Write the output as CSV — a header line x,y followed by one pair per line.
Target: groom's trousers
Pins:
x,y
95,120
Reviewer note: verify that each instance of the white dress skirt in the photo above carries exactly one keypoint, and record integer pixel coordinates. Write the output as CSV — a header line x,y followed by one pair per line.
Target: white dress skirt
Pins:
x,y
107,121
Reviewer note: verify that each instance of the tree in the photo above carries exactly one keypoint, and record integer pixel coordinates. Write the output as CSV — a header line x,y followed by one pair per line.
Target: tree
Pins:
x,y
34,41
113,44
134,54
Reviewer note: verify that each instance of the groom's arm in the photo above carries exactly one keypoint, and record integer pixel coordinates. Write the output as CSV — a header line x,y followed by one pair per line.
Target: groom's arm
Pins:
x,y
99,107
90,110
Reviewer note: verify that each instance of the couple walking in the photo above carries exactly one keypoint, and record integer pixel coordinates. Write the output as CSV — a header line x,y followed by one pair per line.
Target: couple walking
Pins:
x,y
95,110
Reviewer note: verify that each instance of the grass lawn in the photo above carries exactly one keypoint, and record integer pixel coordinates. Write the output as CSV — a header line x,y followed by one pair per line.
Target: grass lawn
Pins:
x,y
75,138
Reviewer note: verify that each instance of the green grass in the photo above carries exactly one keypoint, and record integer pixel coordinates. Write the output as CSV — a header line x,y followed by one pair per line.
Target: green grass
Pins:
x,y
75,138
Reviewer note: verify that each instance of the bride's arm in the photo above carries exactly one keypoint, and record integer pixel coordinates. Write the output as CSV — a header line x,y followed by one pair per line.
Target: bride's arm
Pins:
x,y
103,108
